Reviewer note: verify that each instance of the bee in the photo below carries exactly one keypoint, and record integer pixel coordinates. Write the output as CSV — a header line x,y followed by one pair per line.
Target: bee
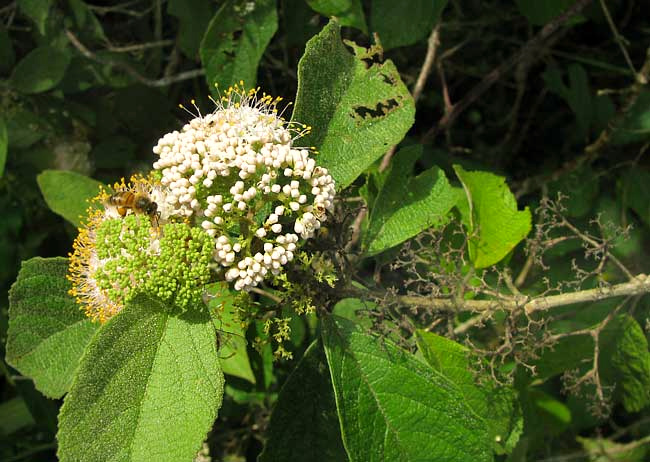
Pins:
x,y
135,201
319,211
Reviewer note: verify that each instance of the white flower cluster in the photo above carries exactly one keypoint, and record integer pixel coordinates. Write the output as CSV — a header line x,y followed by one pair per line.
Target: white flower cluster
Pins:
x,y
236,174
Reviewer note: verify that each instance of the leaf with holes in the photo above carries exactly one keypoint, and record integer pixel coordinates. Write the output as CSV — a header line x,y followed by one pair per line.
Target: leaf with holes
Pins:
x,y
235,41
357,105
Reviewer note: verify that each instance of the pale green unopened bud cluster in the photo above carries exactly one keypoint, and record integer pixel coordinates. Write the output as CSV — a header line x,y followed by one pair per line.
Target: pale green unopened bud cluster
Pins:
x,y
171,262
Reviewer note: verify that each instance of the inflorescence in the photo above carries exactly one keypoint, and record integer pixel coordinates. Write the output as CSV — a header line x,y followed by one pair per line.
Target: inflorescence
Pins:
x,y
235,173
231,195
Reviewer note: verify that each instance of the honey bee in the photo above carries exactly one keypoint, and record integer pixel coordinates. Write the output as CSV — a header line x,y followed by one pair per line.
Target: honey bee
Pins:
x,y
319,211
135,201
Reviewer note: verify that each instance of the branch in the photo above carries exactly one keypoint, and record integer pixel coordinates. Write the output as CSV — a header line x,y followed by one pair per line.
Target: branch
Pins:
x,y
140,46
639,285
429,59
529,48
163,82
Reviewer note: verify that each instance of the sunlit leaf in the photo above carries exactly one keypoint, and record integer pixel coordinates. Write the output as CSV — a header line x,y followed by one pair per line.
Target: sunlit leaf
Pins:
x,y
393,406
148,388
407,204
48,331
357,105
494,223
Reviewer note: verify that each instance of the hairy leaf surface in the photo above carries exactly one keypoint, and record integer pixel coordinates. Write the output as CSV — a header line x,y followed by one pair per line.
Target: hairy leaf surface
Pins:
x,y
48,331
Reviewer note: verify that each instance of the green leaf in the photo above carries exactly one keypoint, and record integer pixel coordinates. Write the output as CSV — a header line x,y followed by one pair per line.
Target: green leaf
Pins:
x,y
568,353
148,388
304,424
493,402
494,224
37,11
539,13
347,12
407,205
43,410
48,332
580,189
232,338
41,70
86,21
262,361
193,18
544,417
357,106
577,94
394,407
4,145
15,415
636,189
235,41
398,26
67,193
635,126
24,128
626,362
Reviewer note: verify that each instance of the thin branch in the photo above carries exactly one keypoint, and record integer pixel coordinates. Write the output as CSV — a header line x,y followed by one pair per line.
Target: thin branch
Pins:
x,y
606,451
266,294
617,37
162,82
122,8
496,74
471,322
356,228
429,59
140,46
9,7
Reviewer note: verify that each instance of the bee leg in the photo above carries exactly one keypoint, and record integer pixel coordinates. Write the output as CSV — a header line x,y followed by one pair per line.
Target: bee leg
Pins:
x,y
121,211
